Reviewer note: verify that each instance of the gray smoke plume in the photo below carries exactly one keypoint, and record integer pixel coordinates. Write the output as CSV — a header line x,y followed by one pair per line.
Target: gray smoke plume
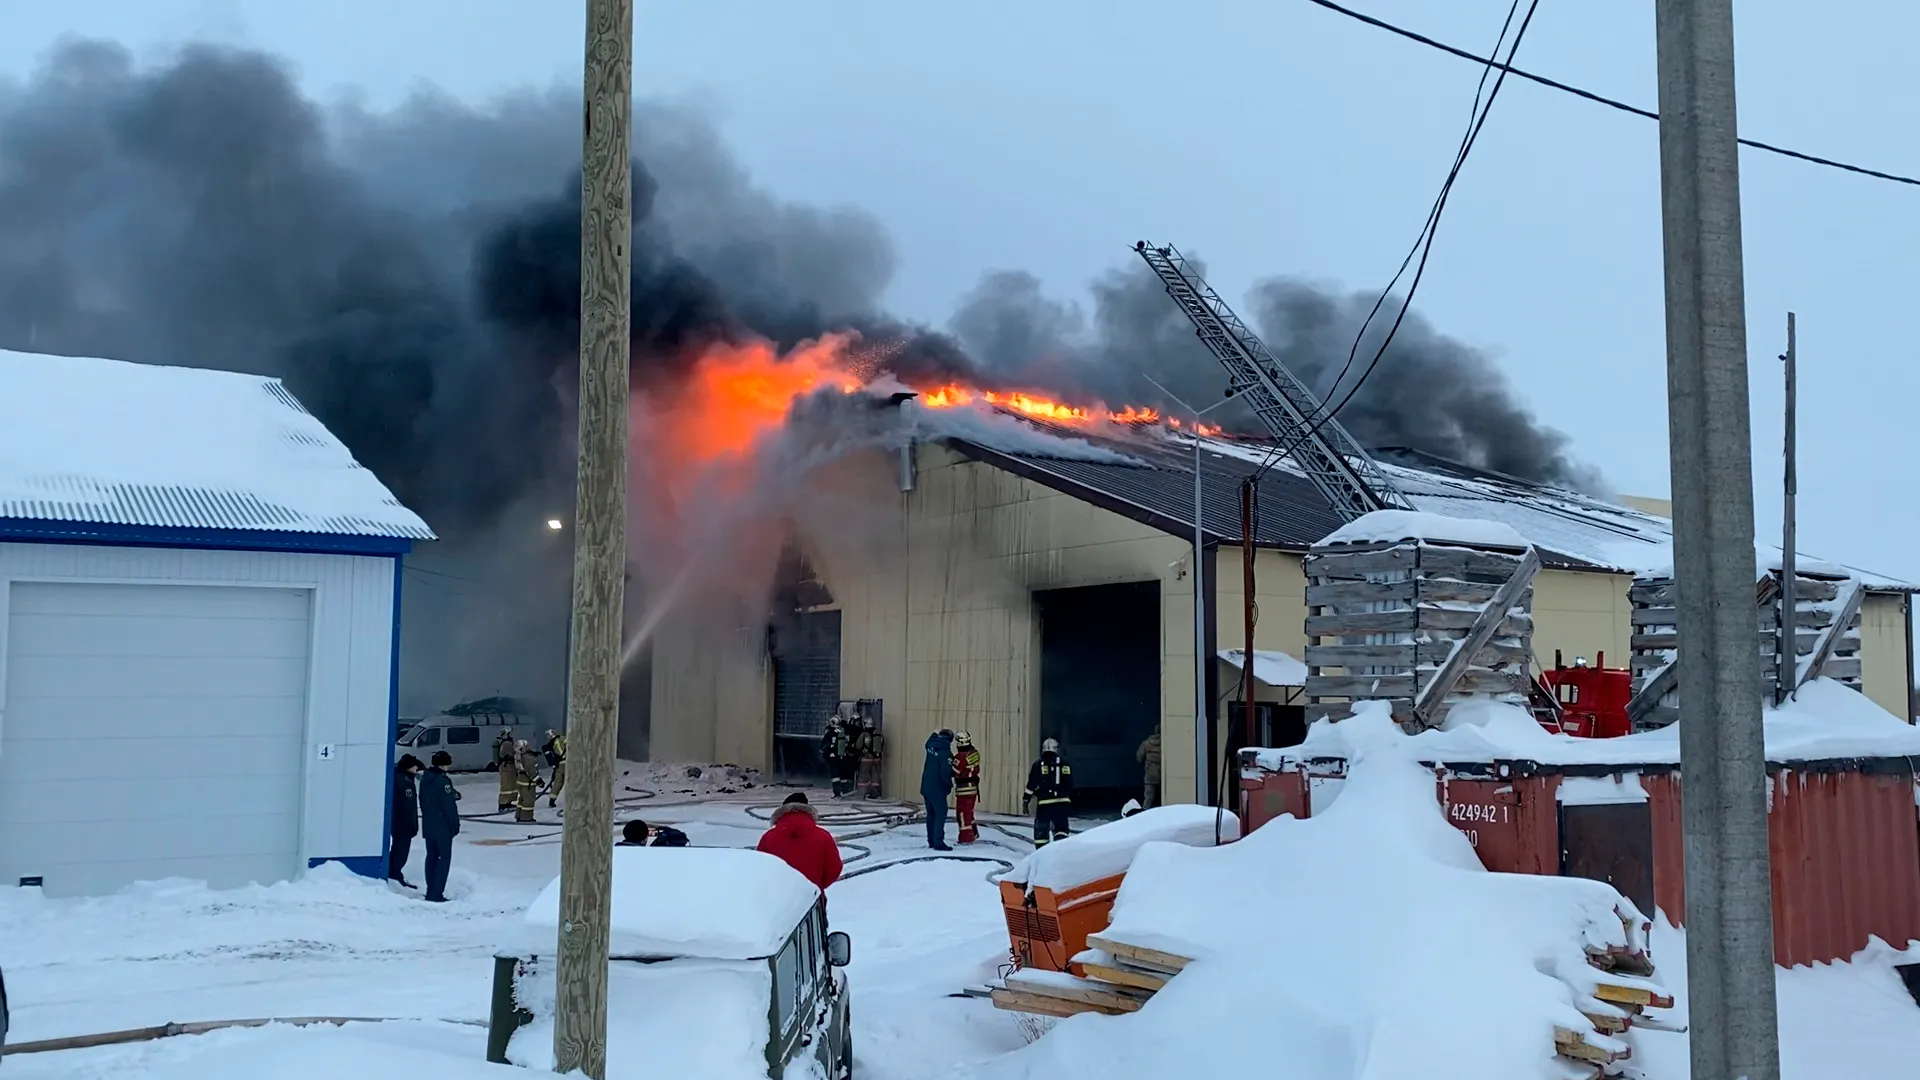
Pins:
x,y
1429,393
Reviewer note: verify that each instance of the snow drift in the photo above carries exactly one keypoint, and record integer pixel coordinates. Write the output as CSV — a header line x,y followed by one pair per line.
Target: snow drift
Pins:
x,y
1365,943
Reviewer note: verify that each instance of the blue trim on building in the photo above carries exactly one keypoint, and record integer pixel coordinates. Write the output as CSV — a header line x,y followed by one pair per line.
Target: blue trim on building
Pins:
x,y
393,712
33,531
371,866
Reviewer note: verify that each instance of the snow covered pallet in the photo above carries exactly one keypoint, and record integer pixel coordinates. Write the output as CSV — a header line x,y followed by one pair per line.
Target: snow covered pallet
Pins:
x,y
1618,998
1119,979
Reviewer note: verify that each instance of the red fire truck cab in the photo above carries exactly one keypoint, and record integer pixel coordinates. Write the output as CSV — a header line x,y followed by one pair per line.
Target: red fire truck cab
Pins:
x,y
1592,699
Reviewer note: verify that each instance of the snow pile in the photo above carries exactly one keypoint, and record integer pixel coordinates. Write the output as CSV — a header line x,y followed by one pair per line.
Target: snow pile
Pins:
x,y
717,903
1392,526
1366,943
1270,666
1826,720
676,1018
391,1051
1107,850
110,442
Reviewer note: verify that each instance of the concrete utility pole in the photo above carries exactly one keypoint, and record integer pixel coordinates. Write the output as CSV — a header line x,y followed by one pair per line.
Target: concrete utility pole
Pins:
x,y
1730,987
600,540
1787,674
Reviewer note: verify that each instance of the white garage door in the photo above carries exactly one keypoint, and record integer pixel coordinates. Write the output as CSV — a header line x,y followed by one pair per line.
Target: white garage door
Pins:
x,y
152,731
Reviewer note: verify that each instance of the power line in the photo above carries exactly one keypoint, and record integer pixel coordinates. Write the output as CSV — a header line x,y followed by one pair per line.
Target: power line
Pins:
x,y
1612,103
1422,244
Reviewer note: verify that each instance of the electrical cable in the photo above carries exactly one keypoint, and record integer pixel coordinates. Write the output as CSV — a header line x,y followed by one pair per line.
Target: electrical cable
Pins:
x,y
1423,244
1600,99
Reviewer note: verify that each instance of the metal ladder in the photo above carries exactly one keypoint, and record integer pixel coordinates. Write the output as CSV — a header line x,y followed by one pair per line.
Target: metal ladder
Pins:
x,y
1352,483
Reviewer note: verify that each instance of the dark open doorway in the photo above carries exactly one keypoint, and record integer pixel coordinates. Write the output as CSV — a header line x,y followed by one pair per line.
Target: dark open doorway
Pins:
x,y
806,690
1100,684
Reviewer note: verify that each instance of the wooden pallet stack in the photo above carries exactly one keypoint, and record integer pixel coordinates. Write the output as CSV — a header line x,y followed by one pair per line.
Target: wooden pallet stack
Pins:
x,y
1120,978
1826,640
1418,624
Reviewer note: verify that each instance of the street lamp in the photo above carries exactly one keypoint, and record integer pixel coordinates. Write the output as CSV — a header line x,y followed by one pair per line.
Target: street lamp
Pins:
x,y
556,524
1202,746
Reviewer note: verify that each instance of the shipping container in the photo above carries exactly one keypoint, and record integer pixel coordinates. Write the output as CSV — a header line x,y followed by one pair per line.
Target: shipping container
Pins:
x,y
1844,834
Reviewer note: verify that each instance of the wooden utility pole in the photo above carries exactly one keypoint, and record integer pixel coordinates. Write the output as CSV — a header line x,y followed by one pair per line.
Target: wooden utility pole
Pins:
x,y
600,541
1733,1030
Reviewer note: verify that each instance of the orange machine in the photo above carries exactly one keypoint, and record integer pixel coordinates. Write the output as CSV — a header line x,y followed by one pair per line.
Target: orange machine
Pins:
x,y
1048,929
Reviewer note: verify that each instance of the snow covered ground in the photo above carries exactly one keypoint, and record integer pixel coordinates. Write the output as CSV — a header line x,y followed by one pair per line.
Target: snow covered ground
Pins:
x,y
334,944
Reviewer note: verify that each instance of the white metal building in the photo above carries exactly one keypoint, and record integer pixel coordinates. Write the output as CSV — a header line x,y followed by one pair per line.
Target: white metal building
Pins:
x,y
199,630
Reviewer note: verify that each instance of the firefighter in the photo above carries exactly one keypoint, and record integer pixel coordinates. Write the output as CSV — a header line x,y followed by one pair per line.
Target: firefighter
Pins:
x,y
1149,758
867,743
556,754
966,785
836,746
1050,792
528,770
504,759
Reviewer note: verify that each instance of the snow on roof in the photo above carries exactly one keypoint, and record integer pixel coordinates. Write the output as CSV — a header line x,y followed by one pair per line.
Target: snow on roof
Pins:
x,y
1395,525
116,443
1344,965
679,1018
1270,666
717,903
1827,720
1108,849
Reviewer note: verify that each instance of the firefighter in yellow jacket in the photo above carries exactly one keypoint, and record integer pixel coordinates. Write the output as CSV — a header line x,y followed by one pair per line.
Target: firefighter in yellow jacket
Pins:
x,y
966,785
555,751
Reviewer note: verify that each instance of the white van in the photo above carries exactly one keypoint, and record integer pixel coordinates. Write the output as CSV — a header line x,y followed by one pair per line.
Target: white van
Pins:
x,y
467,732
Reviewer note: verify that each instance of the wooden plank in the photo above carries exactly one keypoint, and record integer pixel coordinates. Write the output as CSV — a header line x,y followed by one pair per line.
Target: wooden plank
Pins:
x,y
1627,994
1649,695
1139,955
1357,623
1658,716
1816,590
1015,1001
1124,975
1454,562
1519,624
1449,591
1356,564
1814,618
1114,998
1360,687
1407,655
1657,592
1351,593
1842,667
1574,1044
1479,635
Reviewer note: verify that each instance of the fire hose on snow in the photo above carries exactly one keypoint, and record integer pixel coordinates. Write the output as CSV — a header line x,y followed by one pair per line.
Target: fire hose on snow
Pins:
x,y
171,1030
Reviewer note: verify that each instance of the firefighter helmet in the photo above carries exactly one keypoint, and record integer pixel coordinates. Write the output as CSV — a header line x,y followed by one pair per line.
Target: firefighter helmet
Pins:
x,y
961,738
1049,745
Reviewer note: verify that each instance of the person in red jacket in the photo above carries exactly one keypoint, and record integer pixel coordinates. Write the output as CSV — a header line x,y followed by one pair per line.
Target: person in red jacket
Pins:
x,y
796,837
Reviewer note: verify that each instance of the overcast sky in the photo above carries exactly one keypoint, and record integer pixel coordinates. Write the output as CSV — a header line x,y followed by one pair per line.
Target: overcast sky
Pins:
x,y
1270,137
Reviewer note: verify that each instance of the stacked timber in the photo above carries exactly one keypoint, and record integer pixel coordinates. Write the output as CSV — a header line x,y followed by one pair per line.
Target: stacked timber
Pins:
x,y
1417,623
1121,978
1826,640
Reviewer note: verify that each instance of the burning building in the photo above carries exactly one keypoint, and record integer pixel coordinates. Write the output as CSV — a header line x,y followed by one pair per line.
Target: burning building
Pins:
x,y
1019,568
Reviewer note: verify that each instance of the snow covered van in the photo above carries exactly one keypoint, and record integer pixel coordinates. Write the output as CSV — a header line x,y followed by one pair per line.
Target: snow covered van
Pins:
x,y
722,967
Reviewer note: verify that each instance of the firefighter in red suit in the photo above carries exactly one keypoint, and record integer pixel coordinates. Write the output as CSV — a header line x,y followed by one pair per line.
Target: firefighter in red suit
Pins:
x,y
966,785
797,838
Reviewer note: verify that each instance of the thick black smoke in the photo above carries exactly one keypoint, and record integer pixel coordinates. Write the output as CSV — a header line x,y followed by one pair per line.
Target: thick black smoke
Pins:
x,y
413,276
1429,392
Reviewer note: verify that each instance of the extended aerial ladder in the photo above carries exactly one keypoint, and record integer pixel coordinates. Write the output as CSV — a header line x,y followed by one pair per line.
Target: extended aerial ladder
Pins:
x,y
1352,483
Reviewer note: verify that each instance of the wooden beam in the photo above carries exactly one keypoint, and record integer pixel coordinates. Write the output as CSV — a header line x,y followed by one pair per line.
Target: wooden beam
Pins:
x,y
1481,633
1015,1001
1339,593
1139,955
1113,998
1823,651
1124,975
1651,693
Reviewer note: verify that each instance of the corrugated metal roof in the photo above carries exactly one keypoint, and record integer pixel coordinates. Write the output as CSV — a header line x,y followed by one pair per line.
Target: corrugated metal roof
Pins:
x,y
1572,531
107,442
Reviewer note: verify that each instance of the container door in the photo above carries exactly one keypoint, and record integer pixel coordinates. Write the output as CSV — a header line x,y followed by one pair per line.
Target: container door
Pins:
x,y
1610,842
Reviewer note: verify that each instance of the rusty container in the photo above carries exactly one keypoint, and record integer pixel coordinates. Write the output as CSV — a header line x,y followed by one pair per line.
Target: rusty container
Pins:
x,y
1047,929
1844,838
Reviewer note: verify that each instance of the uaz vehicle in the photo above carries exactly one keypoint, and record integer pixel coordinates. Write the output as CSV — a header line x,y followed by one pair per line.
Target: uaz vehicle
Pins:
x,y
722,968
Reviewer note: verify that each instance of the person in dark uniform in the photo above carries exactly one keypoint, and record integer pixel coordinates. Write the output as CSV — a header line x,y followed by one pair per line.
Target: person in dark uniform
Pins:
x,y
406,818
439,823
1050,792
936,783
836,746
